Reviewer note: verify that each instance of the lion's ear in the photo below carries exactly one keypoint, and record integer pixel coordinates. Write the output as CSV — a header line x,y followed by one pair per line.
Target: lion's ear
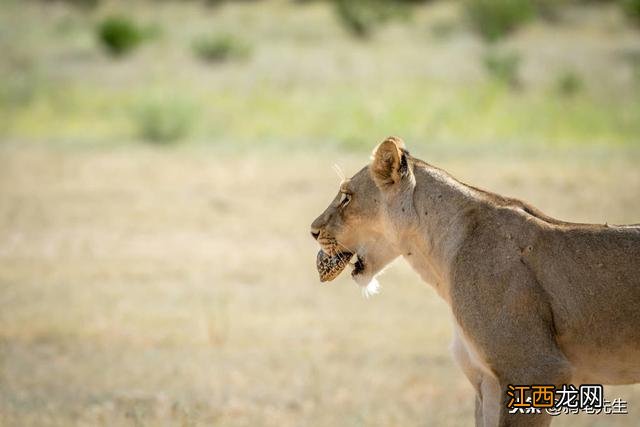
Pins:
x,y
389,164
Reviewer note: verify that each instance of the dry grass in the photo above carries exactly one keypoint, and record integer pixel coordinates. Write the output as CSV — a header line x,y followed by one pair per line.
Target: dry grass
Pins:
x,y
177,287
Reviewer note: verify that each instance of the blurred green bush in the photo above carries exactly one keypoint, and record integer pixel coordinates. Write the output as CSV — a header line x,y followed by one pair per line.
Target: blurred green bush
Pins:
x,y
120,35
88,4
550,9
569,83
220,47
361,17
632,10
503,67
494,19
164,121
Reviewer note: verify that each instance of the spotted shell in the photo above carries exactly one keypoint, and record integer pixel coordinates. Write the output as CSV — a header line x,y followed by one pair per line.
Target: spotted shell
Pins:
x,y
329,267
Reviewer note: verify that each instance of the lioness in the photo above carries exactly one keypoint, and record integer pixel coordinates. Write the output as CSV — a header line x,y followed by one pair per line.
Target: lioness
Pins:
x,y
534,300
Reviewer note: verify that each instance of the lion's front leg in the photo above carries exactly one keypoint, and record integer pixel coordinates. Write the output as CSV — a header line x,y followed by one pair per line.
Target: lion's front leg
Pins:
x,y
492,410
481,383
537,362
539,373
478,411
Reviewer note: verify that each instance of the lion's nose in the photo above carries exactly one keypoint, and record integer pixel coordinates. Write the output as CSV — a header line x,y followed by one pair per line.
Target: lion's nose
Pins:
x,y
315,234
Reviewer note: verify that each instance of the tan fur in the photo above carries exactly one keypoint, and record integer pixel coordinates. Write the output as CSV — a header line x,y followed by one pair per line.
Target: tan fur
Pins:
x,y
535,300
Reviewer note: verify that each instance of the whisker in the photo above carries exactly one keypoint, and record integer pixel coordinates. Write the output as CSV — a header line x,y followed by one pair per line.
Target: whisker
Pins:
x,y
346,249
339,172
339,254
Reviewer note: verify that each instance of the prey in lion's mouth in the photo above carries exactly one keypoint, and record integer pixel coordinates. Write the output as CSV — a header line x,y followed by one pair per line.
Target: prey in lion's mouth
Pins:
x,y
329,267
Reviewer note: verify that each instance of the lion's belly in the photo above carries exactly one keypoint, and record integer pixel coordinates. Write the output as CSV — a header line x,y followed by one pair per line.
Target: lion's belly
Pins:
x,y
614,364
602,345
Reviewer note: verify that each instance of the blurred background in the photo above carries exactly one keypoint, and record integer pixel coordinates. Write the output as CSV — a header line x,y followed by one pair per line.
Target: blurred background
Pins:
x,y
161,162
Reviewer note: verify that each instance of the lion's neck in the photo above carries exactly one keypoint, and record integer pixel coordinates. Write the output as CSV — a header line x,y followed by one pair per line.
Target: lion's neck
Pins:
x,y
431,243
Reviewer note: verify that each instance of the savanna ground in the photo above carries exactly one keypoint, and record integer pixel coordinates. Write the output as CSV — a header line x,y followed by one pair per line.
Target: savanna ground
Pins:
x,y
146,284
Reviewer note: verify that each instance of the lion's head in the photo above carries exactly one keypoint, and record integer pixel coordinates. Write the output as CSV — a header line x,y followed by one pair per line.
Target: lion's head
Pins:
x,y
361,223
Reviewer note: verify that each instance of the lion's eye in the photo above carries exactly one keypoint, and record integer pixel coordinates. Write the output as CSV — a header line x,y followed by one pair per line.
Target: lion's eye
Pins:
x,y
344,199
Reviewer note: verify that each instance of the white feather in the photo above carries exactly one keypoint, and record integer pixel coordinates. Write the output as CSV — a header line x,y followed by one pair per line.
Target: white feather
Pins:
x,y
372,288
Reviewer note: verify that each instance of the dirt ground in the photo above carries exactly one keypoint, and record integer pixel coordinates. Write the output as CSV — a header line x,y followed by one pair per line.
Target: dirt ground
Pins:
x,y
146,286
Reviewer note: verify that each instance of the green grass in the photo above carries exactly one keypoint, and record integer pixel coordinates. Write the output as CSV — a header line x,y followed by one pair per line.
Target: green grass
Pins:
x,y
220,48
420,111
164,119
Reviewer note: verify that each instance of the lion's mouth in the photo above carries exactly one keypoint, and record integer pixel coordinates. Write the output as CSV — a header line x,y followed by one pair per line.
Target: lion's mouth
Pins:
x,y
329,267
358,267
